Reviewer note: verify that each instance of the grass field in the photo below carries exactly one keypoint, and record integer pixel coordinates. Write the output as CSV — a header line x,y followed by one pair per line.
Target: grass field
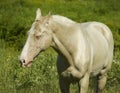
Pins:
x,y
16,17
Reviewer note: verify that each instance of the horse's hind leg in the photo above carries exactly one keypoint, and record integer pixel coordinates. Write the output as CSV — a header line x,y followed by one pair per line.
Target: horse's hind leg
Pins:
x,y
101,81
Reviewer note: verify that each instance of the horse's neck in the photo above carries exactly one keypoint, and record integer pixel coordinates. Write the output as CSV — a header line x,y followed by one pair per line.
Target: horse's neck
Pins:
x,y
62,20
60,24
61,27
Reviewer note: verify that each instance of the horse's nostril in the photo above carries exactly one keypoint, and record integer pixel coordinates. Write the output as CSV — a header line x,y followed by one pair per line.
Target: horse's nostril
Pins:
x,y
23,61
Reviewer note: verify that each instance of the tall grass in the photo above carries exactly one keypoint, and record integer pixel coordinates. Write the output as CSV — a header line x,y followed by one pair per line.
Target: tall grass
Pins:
x,y
42,76
16,17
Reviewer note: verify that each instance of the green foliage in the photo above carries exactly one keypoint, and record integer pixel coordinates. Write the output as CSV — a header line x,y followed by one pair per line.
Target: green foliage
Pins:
x,y
16,17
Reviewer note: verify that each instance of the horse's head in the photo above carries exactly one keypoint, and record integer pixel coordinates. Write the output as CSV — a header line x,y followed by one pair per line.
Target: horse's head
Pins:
x,y
39,39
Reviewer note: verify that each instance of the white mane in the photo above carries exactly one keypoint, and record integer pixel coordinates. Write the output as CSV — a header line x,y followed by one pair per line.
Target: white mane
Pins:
x,y
63,20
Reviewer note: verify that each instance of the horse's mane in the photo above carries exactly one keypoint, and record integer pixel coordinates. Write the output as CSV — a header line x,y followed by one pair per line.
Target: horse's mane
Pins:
x,y
63,20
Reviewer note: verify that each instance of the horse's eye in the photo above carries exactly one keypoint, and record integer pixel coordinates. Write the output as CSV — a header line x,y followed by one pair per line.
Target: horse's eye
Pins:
x,y
38,37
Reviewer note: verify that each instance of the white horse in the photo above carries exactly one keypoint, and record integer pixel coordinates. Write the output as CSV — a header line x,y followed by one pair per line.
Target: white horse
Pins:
x,y
84,49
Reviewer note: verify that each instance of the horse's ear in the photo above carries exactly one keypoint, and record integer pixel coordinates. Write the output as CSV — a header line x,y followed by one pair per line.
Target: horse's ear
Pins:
x,y
48,16
38,14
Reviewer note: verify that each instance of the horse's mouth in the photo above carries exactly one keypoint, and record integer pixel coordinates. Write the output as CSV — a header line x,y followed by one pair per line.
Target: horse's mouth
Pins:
x,y
27,64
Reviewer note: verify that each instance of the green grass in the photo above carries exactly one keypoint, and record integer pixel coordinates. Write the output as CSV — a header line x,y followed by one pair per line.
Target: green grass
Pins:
x,y
15,79
42,76
16,17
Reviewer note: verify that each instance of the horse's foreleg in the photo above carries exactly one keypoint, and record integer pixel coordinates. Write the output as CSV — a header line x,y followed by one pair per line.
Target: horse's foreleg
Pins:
x,y
72,71
84,83
64,85
101,83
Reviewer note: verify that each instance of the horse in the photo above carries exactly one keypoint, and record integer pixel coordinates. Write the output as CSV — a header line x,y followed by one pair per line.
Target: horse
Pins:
x,y
84,49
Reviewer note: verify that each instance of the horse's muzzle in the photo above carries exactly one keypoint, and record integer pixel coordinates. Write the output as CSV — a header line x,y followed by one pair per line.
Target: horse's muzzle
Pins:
x,y
25,64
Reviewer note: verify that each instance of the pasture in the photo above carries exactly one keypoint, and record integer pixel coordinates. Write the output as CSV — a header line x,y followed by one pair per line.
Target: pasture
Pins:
x,y
16,17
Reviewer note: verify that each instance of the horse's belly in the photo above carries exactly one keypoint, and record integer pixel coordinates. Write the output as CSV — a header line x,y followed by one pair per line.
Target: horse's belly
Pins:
x,y
99,62
96,71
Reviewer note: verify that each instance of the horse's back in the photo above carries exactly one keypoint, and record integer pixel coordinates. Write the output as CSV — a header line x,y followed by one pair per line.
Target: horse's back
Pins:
x,y
98,33
98,27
